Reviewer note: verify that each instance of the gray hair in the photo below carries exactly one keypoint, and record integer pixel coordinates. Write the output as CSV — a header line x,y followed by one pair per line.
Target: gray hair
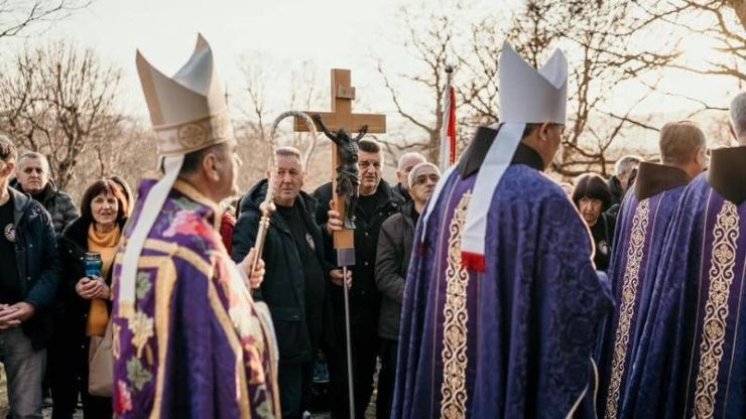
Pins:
x,y
680,141
408,155
288,151
625,164
34,155
738,114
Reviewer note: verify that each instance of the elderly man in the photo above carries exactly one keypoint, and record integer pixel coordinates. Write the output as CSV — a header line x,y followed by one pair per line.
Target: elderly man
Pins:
x,y
297,274
189,341
377,202
690,361
619,182
406,162
32,177
392,262
644,219
29,274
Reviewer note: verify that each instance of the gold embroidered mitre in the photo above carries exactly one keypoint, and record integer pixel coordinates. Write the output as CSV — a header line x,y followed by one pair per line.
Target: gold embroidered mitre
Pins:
x,y
188,110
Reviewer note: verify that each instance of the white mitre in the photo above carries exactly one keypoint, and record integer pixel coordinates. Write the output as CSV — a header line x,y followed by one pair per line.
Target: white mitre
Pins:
x,y
189,113
527,96
531,96
188,110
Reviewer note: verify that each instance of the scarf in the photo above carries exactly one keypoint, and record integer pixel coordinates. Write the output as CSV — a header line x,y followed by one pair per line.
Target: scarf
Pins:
x,y
106,245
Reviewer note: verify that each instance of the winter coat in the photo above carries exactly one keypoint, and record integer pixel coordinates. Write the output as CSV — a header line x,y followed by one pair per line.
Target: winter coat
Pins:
x,y
73,245
37,264
365,298
296,301
399,188
392,262
60,205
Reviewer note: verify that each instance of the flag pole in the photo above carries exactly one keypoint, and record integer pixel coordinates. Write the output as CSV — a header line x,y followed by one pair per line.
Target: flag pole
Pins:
x,y
446,154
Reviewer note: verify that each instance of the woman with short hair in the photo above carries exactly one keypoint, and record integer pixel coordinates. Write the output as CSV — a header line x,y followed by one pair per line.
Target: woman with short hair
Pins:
x,y
98,229
592,197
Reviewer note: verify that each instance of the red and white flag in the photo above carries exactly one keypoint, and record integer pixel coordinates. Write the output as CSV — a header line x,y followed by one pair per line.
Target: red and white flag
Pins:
x,y
448,133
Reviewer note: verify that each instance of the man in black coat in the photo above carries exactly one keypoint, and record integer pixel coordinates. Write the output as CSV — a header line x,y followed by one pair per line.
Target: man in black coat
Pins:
x,y
33,178
29,275
377,202
296,277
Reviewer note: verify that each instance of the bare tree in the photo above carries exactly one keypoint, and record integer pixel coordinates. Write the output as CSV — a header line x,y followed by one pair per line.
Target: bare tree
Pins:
x,y
16,16
257,71
739,6
604,65
721,23
597,37
129,151
59,100
428,40
302,93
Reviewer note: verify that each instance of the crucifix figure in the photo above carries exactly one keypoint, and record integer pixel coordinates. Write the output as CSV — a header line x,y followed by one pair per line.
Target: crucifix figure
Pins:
x,y
348,174
339,125
342,118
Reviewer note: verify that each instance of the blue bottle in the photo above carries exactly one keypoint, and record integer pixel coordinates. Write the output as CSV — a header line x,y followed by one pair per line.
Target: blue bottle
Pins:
x,y
93,264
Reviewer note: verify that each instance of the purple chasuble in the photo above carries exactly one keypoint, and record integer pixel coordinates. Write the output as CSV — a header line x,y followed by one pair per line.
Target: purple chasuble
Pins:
x,y
515,340
195,346
691,360
643,222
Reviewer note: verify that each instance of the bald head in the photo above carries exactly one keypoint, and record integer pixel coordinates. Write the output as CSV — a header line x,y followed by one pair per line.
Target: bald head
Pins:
x,y
624,167
406,163
738,116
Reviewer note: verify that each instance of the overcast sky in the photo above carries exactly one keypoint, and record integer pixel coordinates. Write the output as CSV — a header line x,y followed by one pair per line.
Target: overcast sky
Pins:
x,y
327,33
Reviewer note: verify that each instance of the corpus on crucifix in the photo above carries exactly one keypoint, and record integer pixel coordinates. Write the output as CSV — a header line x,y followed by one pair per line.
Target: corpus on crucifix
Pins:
x,y
341,123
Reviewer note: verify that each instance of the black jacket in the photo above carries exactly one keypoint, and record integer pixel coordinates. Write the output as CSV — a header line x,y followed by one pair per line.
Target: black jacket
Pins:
x,y
392,263
399,188
73,245
60,205
37,263
364,293
296,301
603,237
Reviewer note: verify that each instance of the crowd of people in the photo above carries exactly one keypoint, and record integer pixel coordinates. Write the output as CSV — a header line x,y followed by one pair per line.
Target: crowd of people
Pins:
x,y
186,327
61,311
302,286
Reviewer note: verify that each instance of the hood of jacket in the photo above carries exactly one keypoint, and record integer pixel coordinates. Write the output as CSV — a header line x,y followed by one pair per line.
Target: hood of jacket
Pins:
x,y
21,202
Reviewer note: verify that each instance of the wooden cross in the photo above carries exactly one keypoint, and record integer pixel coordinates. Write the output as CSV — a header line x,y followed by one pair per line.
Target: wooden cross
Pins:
x,y
340,117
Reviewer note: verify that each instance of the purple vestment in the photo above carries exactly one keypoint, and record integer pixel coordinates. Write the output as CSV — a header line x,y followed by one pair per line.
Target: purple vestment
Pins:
x,y
643,222
194,345
514,340
691,360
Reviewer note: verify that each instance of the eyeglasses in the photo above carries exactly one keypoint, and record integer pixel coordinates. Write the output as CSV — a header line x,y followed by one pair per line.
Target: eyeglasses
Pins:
x,y
421,180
